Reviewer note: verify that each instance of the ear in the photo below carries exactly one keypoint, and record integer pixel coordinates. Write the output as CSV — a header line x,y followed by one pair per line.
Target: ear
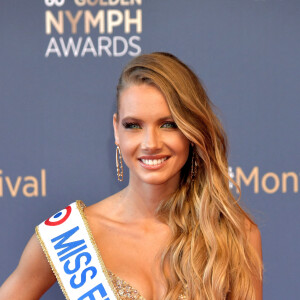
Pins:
x,y
116,129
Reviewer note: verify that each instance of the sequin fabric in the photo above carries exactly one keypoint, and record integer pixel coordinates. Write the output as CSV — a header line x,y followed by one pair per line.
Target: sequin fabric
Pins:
x,y
126,291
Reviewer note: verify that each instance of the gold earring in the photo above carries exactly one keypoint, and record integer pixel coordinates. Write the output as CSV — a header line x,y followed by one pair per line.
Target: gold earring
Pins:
x,y
119,163
194,166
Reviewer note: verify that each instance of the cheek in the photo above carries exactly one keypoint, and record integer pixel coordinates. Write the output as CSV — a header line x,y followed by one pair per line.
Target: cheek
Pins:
x,y
180,145
128,145
185,152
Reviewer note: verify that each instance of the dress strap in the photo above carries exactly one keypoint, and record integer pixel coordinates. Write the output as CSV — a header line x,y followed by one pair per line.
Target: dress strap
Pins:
x,y
72,253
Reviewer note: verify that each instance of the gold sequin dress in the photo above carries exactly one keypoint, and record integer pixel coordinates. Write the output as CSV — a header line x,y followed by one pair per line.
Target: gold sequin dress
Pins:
x,y
126,291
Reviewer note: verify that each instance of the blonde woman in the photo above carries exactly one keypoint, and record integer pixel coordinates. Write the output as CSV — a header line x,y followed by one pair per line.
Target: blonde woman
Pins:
x,y
176,231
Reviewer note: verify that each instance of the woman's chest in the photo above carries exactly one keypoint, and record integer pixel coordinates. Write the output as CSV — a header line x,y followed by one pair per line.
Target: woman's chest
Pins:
x,y
132,260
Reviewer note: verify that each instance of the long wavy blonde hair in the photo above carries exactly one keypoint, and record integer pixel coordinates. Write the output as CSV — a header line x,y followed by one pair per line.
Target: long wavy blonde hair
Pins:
x,y
208,256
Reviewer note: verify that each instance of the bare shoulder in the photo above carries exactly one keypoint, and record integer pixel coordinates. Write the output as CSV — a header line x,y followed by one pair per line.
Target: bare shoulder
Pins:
x,y
253,236
103,208
254,239
32,277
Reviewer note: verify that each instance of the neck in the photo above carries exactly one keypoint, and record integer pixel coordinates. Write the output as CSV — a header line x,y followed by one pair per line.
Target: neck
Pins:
x,y
139,200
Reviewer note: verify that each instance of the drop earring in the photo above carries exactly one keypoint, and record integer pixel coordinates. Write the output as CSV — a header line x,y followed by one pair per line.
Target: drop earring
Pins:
x,y
194,165
119,163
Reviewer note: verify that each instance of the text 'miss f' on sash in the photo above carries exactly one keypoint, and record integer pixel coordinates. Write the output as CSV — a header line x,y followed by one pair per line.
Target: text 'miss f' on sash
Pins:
x,y
73,255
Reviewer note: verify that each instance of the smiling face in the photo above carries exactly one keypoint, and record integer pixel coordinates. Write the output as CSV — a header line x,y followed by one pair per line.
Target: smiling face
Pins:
x,y
152,146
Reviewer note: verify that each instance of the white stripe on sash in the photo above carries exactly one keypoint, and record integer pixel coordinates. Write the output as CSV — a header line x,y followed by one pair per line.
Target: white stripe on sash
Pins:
x,y
73,255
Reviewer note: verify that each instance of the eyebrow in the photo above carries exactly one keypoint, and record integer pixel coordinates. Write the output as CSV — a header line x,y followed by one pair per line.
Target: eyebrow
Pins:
x,y
129,118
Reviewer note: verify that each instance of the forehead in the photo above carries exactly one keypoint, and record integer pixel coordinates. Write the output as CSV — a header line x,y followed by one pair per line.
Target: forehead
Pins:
x,y
143,101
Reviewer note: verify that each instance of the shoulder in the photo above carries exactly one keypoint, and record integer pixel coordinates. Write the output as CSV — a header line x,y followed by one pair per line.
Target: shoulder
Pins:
x,y
254,240
253,236
32,277
102,217
104,208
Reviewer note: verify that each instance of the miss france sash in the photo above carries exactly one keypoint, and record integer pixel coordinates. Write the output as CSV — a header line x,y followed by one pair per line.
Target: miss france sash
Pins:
x,y
73,255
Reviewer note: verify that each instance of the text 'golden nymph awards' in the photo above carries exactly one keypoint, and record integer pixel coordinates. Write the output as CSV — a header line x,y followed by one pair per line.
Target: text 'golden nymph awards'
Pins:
x,y
93,28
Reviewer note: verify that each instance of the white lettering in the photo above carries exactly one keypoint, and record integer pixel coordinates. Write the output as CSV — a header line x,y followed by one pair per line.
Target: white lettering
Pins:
x,y
70,45
104,47
123,41
53,48
88,47
134,46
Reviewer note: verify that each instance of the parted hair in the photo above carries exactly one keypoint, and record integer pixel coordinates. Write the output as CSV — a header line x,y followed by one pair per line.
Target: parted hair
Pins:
x,y
209,256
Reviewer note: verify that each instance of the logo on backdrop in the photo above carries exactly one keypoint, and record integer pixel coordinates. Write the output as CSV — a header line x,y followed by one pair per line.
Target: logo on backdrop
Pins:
x,y
87,31
268,183
29,186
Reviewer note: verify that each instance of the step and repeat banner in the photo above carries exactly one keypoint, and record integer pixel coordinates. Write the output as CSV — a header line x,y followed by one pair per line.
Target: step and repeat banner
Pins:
x,y
60,61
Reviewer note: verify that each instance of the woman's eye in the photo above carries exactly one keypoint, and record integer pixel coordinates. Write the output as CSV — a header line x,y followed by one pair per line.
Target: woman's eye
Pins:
x,y
169,125
131,125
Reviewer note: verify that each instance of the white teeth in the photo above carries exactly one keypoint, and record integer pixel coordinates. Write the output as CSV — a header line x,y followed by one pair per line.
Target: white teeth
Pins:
x,y
153,162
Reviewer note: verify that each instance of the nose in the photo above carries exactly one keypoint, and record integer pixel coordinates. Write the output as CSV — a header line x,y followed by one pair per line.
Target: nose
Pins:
x,y
151,139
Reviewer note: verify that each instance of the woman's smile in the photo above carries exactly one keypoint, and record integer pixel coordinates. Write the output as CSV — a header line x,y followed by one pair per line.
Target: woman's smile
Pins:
x,y
153,162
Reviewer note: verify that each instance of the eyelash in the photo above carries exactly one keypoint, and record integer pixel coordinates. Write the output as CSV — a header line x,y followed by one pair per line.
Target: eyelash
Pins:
x,y
132,125
173,125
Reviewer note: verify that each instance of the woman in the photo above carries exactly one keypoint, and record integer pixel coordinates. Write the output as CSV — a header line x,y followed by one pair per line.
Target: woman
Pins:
x,y
176,231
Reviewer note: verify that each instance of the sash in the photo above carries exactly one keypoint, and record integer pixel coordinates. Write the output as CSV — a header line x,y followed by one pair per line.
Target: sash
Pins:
x,y
73,255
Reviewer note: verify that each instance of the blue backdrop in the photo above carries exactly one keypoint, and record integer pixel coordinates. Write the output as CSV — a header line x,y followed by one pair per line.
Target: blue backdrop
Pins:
x,y
60,61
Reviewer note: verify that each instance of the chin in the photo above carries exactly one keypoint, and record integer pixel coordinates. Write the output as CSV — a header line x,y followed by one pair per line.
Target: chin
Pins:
x,y
157,179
